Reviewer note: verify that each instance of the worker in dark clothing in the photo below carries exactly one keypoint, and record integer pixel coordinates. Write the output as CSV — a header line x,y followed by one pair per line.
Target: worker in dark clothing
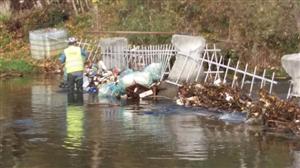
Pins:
x,y
74,58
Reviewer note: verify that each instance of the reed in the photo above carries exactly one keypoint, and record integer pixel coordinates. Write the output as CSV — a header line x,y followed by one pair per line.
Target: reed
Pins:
x,y
5,10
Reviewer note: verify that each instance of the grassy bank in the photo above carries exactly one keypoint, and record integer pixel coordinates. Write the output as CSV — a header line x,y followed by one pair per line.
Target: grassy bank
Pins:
x,y
15,54
257,32
250,31
20,66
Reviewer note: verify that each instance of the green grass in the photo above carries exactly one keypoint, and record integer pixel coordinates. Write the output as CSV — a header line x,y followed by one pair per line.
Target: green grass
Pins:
x,y
16,66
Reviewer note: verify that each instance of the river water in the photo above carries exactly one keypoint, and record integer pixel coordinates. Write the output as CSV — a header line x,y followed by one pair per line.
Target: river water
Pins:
x,y
42,127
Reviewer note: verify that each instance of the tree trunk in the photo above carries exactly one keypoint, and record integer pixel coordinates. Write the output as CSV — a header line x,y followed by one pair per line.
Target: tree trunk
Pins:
x,y
87,4
74,7
81,6
78,6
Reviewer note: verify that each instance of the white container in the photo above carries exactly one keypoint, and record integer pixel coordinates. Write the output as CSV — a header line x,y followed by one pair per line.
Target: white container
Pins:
x,y
46,43
290,64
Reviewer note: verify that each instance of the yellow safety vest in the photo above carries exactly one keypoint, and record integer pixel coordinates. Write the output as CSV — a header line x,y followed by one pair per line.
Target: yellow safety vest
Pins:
x,y
74,61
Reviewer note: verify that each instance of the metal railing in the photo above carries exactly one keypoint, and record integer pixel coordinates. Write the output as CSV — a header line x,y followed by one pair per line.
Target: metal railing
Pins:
x,y
211,65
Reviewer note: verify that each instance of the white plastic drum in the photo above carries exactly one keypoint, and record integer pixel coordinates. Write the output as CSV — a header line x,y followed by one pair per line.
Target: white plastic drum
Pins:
x,y
46,43
291,63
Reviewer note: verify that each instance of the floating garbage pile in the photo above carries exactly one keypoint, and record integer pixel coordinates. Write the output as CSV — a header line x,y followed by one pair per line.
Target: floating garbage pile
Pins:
x,y
182,63
96,75
122,83
276,114
220,97
268,110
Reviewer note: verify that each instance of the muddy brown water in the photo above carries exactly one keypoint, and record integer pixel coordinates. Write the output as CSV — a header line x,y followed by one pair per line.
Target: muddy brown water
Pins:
x,y
41,127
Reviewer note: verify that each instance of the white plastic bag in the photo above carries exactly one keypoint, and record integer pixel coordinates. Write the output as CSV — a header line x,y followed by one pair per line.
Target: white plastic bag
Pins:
x,y
143,78
127,80
155,70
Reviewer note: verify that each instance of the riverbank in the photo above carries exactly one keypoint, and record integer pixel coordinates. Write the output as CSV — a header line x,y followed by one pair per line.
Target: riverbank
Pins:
x,y
20,67
15,68
254,45
260,40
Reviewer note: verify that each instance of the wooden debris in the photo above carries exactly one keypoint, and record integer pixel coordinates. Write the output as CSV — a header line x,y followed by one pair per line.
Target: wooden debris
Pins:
x,y
277,115
274,113
136,90
212,96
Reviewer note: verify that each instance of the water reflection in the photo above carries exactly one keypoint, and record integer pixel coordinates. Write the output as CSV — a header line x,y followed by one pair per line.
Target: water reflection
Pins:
x,y
191,143
43,127
74,121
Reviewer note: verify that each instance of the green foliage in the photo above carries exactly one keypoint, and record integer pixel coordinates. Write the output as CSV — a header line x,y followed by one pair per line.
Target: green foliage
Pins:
x,y
4,18
254,31
16,66
232,55
257,31
83,21
77,25
5,37
137,15
50,17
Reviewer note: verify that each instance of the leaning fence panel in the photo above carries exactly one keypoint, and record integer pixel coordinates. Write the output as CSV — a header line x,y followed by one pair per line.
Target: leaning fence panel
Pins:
x,y
207,66
211,66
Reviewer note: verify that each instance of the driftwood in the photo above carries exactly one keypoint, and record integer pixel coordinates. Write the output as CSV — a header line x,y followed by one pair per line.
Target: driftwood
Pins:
x,y
274,113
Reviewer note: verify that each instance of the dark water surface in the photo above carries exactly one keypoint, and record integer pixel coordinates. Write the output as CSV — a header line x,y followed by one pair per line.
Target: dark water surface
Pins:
x,y
43,128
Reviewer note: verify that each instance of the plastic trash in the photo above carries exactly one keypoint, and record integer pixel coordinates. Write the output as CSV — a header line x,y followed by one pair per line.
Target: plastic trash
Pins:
x,y
125,72
111,89
129,78
102,66
155,70
86,82
107,74
118,90
143,78
106,89
146,93
92,90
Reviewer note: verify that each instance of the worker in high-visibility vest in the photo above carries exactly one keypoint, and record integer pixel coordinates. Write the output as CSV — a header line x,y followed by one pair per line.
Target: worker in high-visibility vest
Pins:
x,y
74,58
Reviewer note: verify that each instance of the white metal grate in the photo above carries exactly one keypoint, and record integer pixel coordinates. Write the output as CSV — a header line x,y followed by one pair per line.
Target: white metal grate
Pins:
x,y
210,65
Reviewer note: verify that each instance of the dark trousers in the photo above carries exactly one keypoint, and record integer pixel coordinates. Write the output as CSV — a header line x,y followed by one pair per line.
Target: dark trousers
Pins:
x,y
75,81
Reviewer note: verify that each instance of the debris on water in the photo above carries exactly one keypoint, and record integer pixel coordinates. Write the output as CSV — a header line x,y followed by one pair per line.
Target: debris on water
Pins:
x,y
268,110
276,114
212,96
121,83
95,76
138,91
